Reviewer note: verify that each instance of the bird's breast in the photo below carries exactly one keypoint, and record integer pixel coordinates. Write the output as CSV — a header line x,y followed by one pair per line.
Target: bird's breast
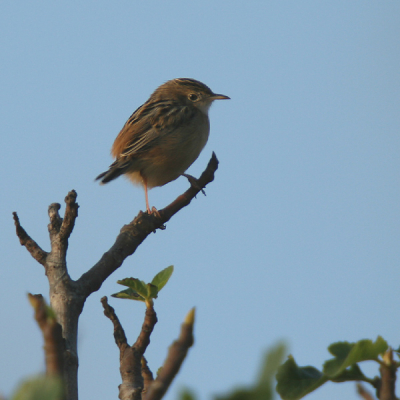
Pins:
x,y
176,151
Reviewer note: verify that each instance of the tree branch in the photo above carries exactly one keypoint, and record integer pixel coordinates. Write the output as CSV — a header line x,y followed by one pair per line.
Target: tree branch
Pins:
x,y
54,345
67,297
34,249
119,333
71,213
388,369
133,234
147,375
55,219
131,357
364,392
176,355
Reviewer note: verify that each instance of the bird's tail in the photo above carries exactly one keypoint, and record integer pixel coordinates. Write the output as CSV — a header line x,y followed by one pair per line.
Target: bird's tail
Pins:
x,y
113,172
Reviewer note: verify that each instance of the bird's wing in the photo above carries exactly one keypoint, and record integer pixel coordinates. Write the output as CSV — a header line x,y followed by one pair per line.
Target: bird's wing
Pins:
x,y
148,125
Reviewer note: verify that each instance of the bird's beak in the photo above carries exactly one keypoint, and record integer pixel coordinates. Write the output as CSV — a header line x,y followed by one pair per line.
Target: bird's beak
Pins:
x,y
219,97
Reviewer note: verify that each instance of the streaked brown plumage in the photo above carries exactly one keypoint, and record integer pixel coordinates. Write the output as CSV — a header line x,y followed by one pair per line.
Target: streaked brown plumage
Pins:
x,y
164,136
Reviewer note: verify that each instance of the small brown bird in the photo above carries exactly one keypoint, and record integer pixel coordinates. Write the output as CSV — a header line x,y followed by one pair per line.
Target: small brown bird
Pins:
x,y
164,136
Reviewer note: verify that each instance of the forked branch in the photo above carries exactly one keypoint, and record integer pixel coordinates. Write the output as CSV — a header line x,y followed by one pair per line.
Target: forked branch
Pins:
x,y
133,234
67,297
137,379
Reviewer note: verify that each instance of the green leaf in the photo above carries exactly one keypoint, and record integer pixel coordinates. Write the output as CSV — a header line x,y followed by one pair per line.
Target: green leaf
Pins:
x,y
152,291
272,360
295,382
263,387
347,354
137,290
40,388
162,277
187,394
352,373
137,285
128,294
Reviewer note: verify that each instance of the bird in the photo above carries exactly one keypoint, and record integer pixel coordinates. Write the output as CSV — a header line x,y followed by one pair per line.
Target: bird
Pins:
x,y
164,136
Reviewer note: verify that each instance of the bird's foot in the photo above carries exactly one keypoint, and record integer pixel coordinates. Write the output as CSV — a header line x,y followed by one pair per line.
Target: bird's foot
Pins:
x,y
153,211
194,182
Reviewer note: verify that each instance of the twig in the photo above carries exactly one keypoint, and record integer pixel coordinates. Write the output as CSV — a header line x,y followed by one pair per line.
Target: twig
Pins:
x,y
388,368
176,355
54,344
119,333
55,219
364,392
131,357
184,199
34,249
71,213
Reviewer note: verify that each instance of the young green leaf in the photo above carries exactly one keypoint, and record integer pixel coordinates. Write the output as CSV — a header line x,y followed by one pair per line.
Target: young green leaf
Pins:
x,y
272,360
40,387
152,291
352,373
347,354
262,389
135,284
128,294
162,277
295,382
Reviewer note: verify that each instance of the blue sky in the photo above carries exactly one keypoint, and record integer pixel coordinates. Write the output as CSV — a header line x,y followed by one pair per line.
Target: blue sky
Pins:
x,y
297,239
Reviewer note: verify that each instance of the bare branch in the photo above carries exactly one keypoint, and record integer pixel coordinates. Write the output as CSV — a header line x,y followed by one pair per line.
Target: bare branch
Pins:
x,y
54,345
68,297
71,213
176,354
364,392
133,234
119,333
149,322
388,369
147,375
34,249
134,371
184,199
55,219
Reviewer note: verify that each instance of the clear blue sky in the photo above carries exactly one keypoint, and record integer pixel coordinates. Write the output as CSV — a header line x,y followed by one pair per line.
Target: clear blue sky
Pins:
x,y
298,237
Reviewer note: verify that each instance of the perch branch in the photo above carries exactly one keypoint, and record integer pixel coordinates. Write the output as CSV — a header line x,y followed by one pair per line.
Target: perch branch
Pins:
x,y
133,234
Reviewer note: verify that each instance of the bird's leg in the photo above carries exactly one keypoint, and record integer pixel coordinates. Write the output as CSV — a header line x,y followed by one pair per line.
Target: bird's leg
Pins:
x,y
146,195
194,182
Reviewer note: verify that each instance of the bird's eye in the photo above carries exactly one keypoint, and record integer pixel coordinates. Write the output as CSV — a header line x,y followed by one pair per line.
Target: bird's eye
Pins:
x,y
193,97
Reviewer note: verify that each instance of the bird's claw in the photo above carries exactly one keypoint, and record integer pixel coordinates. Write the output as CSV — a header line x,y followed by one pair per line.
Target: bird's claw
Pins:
x,y
194,182
154,211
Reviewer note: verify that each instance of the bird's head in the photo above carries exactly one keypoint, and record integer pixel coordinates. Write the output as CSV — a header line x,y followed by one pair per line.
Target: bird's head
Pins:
x,y
189,92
